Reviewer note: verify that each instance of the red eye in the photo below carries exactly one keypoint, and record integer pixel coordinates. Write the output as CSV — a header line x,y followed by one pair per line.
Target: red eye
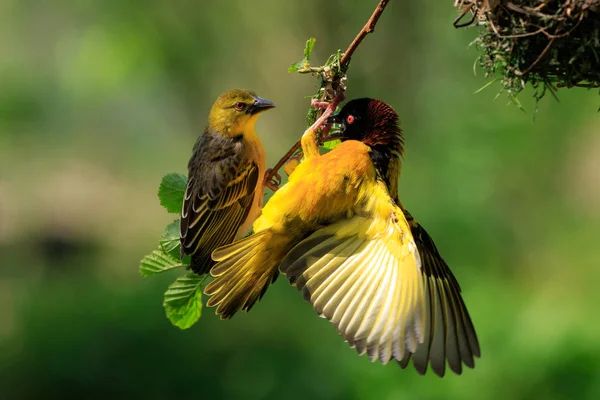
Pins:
x,y
350,119
239,106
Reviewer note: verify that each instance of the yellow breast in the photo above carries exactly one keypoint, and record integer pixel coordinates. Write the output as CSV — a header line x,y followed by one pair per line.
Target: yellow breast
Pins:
x,y
255,152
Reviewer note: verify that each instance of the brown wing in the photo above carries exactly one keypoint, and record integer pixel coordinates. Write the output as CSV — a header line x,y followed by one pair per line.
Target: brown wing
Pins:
x,y
217,200
449,332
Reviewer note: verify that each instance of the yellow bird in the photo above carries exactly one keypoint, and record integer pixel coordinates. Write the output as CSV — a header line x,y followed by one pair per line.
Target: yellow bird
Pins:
x,y
338,232
225,178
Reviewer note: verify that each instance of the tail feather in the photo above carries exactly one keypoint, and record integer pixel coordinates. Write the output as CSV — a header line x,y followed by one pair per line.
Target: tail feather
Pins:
x,y
244,271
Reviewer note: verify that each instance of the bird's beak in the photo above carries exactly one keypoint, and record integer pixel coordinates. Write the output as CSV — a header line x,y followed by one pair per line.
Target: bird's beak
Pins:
x,y
334,119
337,119
259,105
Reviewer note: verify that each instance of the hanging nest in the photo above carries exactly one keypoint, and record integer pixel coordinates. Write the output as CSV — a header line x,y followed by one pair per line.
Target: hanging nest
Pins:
x,y
547,43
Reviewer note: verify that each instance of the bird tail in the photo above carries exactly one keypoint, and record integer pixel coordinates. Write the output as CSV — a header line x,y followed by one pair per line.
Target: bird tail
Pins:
x,y
244,271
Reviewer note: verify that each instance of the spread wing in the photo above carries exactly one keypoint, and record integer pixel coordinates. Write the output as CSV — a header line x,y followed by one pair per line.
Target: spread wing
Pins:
x,y
363,274
449,333
218,198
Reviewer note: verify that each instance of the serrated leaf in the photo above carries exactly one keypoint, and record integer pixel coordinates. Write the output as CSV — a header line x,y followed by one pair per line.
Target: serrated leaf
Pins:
x,y
171,192
156,262
169,241
183,300
308,48
296,66
310,44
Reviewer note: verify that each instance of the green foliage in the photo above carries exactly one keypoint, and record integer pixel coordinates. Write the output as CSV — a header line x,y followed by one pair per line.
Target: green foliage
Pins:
x,y
171,192
305,62
169,241
156,262
183,300
330,75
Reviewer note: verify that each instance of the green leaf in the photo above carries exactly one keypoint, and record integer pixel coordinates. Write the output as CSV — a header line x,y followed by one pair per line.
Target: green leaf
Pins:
x,y
183,300
296,66
171,192
169,241
485,86
310,44
156,262
332,144
514,100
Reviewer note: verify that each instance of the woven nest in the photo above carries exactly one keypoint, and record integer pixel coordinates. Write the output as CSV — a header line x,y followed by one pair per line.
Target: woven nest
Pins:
x,y
547,43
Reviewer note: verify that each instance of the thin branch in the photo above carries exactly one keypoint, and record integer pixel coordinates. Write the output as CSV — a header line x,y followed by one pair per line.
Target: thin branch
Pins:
x,y
458,24
515,36
533,64
532,12
369,27
582,85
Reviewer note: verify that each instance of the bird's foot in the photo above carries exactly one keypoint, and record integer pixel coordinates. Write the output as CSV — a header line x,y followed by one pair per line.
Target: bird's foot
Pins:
x,y
319,104
309,138
274,182
329,108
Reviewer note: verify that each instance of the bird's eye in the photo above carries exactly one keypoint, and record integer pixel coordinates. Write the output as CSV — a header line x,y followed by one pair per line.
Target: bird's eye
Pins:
x,y
240,106
350,119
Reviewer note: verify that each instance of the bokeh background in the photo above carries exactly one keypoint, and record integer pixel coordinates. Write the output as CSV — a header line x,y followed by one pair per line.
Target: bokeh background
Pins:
x,y
98,100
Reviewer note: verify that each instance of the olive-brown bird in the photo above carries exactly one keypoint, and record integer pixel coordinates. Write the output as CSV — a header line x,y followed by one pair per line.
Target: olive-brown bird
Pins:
x,y
225,178
339,233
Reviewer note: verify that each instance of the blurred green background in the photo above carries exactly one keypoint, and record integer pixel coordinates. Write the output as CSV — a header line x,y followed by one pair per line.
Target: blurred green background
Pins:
x,y
98,100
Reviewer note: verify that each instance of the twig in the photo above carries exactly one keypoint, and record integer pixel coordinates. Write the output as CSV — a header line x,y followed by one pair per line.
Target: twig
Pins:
x,y
515,36
581,85
458,24
368,28
345,60
537,60
531,12
558,36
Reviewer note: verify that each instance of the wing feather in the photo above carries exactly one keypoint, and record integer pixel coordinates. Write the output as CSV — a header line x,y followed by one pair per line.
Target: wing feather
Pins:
x,y
355,276
213,213
449,335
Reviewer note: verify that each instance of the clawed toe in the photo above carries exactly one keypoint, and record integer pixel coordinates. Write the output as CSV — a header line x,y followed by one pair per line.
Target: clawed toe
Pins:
x,y
274,182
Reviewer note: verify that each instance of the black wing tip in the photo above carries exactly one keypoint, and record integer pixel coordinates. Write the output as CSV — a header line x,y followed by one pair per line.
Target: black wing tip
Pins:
x,y
438,370
477,350
201,265
224,317
227,309
230,311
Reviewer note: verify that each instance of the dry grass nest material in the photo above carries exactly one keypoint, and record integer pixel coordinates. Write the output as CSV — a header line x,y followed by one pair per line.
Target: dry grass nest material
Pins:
x,y
547,43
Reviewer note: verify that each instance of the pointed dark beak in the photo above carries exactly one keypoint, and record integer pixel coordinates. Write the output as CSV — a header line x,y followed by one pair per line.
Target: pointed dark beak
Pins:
x,y
334,119
259,105
337,119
